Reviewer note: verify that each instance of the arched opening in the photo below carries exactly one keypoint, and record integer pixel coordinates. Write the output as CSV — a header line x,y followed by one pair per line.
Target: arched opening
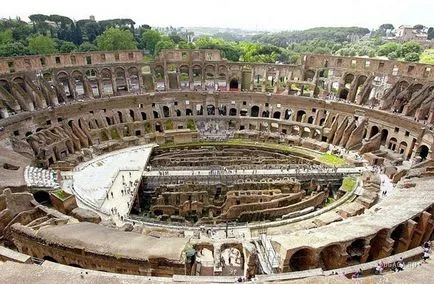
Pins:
x,y
308,75
288,114
43,197
374,131
423,152
233,112
133,75
156,115
300,115
233,85
396,235
276,115
158,127
106,77
330,257
210,109
232,260
121,81
265,113
302,259
166,111
321,121
402,147
121,120
377,244
355,251
343,94
132,114
178,112
384,134
392,144
310,119
254,111
184,77
143,115
188,112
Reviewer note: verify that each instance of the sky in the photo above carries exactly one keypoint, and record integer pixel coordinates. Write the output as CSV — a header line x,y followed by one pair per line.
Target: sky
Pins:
x,y
245,14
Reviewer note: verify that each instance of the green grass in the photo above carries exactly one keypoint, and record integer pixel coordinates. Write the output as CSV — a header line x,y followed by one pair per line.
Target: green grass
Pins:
x,y
61,194
427,56
348,183
332,160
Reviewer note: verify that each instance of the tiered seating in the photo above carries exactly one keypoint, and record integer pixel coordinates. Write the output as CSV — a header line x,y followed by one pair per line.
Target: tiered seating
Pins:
x,y
38,177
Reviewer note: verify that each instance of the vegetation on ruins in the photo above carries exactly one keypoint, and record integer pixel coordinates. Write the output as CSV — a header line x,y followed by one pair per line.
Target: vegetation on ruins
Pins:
x,y
54,33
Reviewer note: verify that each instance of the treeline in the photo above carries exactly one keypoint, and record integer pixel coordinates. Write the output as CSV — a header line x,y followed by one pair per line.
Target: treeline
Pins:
x,y
338,34
50,34
54,33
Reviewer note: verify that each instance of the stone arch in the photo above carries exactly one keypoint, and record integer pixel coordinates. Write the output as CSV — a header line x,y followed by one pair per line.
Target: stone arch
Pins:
x,y
233,84
178,112
310,120
156,115
392,144
374,131
343,94
210,109
159,73
210,72
309,75
166,111
396,235
276,115
377,245
402,147
143,115
422,151
43,197
384,134
349,78
188,112
121,79
300,115
303,259
63,79
266,113
254,111
107,84
355,251
233,112
133,76
330,257
184,76
288,114
197,72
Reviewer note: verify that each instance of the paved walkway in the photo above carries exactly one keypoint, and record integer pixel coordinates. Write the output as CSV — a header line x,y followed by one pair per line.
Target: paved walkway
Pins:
x,y
120,197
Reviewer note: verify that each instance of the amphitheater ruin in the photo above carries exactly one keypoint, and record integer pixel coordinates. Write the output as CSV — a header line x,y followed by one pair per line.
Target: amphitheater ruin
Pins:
x,y
193,168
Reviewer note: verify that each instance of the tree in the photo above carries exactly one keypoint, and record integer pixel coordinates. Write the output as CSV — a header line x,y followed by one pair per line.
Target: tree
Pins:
x,y
6,36
87,46
430,33
418,27
149,39
412,57
67,47
116,39
14,48
164,43
41,45
388,47
393,55
386,27
410,47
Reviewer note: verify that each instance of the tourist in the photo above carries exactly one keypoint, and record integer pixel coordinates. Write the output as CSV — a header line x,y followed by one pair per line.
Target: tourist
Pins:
x,y
378,269
400,265
426,253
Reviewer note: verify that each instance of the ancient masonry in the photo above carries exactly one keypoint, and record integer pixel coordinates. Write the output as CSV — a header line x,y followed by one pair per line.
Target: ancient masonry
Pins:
x,y
231,181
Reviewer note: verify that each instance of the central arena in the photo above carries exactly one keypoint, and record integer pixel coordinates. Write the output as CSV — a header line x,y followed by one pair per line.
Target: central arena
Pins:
x,y
207,183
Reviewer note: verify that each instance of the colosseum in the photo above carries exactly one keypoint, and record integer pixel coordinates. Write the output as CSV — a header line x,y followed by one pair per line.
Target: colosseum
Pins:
x,y
191,168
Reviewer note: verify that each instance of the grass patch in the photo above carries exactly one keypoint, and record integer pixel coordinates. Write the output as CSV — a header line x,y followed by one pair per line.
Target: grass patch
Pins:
x,y
332,160
61,194
348,183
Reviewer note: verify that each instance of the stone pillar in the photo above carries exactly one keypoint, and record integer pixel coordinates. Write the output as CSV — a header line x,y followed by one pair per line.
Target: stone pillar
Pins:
x,y
190,78
100,85
114,85
252,80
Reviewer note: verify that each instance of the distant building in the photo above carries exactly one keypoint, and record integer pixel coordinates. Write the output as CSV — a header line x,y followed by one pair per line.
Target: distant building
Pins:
x,y
92,17
405,33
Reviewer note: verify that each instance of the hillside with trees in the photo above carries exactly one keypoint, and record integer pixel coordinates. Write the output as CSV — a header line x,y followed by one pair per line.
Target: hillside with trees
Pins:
x,y
46,34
